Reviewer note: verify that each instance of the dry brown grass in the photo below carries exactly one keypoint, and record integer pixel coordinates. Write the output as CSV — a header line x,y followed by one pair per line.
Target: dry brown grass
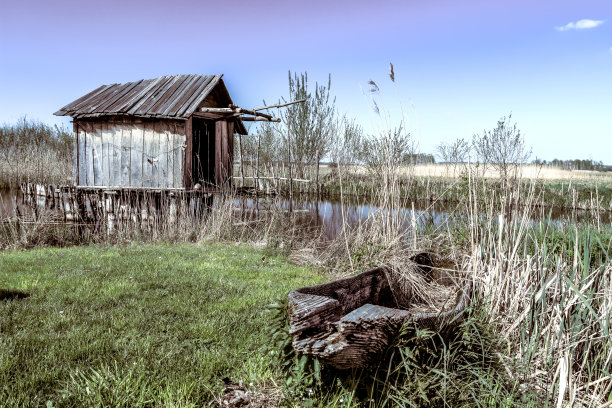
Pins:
x,y
553,302
527,172
43,168
31,151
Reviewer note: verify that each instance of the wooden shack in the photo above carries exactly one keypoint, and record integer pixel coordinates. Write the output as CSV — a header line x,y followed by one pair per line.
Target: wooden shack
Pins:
x,y
172,132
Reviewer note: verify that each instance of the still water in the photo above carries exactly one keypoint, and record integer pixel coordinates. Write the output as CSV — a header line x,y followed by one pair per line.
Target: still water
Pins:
x,y
332,215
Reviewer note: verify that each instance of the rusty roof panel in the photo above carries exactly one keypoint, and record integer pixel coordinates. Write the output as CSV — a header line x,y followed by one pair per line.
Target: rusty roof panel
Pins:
x,y
181,96
204,88
175,97
127,91
84,101
172,87
187,85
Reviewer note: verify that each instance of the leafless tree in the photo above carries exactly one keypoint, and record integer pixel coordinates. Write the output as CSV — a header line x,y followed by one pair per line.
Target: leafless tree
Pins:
x,y
346,147
307,127
454,153
503,148
385,152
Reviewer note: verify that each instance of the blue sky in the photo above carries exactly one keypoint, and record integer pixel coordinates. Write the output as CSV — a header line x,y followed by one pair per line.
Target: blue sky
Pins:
x,y
459,65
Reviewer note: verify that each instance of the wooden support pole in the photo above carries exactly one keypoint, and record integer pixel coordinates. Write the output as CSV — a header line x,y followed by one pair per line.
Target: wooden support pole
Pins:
x,y
187,171
241,160
75,157
257,162
230,153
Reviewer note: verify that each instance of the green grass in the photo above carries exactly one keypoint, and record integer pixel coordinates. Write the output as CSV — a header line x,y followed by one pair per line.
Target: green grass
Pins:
x,y
138,325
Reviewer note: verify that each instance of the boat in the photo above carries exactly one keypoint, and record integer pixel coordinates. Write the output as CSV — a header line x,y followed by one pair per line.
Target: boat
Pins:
x,y
349,323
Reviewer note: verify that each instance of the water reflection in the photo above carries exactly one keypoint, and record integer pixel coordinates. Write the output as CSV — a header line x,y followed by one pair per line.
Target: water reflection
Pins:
x,y
332,215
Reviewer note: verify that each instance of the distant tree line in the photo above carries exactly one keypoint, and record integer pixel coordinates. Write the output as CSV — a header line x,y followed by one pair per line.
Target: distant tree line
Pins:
x,y
576,164
419,158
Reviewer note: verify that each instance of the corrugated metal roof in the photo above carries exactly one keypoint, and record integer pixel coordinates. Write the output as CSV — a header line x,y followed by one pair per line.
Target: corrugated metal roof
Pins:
x,y
173,97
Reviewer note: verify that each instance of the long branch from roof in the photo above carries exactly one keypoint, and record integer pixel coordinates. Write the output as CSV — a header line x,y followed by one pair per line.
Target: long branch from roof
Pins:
x,y
279,105
258,119
238,111
258,116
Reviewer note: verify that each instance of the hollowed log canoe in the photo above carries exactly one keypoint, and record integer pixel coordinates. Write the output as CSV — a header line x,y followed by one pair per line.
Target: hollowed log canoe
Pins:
x,y
349,323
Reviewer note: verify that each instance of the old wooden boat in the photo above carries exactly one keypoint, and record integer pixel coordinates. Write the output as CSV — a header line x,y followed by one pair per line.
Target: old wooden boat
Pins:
x,y
349,323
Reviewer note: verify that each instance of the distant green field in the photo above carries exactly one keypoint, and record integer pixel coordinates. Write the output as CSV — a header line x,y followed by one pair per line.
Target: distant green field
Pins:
x,y
139,325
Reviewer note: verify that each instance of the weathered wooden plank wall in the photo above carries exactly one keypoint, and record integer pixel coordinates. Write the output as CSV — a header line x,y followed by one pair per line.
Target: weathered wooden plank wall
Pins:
x,y
136,156
164,147
177,153
129,153
81,176
115,169
147,157
75,155
126,151
96,138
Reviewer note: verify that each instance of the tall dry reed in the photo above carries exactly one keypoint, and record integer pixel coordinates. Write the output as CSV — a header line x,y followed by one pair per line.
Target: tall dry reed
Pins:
x,y
549,286
32,151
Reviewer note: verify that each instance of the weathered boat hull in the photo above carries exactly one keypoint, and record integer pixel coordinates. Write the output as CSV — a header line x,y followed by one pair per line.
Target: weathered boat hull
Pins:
x,y
348,323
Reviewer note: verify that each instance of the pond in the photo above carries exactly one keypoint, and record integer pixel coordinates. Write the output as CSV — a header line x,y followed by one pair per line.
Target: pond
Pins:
x,y
333,215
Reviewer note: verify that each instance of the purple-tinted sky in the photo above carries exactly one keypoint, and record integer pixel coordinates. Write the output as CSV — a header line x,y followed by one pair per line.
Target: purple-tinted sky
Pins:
x,y
460,65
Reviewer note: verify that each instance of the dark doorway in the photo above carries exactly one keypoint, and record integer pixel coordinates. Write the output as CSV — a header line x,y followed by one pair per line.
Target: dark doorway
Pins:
x,y
203,163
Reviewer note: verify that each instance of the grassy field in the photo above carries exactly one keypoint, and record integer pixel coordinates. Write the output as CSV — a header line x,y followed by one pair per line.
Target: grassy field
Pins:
x,y
156,325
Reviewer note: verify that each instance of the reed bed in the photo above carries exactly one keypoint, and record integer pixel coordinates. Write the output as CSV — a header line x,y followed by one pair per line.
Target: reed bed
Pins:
x,y
32,151
548,285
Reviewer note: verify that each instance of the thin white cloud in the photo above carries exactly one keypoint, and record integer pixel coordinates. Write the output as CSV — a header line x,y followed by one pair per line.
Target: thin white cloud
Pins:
x,y
580,25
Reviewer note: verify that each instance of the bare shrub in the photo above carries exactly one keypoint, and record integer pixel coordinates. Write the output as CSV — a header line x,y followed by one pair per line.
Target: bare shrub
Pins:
x,y
347,145
385,152
455,153
307,126
503,148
